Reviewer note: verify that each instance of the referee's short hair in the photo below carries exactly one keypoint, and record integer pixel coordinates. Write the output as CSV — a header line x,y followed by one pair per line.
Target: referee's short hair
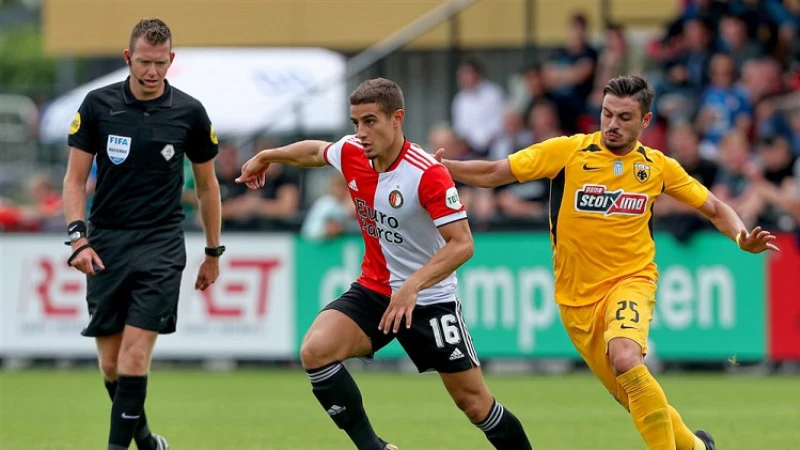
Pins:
x,y
154,31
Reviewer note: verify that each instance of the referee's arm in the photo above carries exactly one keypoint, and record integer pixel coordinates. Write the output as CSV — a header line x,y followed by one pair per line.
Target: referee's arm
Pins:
x,y
208,195
79,165
74,193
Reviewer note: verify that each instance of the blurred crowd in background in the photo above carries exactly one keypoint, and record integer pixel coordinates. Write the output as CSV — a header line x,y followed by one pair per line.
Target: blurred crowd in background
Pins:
x,y
727,107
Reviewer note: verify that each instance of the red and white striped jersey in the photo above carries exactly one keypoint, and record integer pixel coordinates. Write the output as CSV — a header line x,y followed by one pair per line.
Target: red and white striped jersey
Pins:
x,y
399,211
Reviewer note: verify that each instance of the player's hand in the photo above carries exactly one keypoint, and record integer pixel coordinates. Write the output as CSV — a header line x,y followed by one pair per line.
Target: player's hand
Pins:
x,y
757,241
402,305
208,273
254,172
87,260
439,154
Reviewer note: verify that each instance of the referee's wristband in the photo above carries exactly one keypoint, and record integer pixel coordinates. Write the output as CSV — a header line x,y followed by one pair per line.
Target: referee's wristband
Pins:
x,y
77,250
76,230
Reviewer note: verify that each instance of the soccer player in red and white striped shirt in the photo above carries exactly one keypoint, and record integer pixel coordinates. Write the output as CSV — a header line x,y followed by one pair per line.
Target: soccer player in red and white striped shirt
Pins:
x,y
416,235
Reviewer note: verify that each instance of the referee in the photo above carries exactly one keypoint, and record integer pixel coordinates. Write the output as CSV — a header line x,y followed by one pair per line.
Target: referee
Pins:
x,y
132,247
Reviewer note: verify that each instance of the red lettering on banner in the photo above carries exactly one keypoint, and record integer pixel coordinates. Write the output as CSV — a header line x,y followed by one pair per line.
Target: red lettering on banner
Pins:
x,y
263,267
784,292
43,289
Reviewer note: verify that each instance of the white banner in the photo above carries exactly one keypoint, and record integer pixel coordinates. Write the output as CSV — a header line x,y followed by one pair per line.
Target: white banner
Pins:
x,y
260,92
249,312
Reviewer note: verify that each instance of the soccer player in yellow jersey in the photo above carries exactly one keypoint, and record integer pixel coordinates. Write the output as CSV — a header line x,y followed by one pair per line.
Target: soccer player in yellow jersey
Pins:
x,y
603,186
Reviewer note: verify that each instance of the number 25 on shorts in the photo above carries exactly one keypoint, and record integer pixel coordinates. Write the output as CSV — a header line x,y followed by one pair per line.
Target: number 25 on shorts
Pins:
x,y
627,312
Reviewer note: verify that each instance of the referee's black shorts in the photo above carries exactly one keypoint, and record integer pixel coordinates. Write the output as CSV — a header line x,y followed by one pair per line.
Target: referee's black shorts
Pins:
x,y
141,282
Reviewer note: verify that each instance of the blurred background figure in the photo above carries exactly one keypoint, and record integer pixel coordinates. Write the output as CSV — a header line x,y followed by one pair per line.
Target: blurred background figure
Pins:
x,y
477,108
331,215
45,208
732,185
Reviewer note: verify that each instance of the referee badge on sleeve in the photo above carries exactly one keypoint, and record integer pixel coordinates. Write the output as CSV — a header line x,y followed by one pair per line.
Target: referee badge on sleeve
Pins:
x,y
214,139
76,124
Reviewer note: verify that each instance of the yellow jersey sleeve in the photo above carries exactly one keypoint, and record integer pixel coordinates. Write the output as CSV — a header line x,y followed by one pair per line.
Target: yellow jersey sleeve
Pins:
x,y
681,186
542,160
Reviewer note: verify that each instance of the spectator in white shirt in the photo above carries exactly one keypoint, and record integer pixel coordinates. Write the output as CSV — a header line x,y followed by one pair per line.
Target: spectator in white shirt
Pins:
x,y
477,109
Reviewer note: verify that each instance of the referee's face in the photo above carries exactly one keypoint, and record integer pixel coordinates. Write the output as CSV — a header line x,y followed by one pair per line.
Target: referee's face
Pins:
x,y
149,64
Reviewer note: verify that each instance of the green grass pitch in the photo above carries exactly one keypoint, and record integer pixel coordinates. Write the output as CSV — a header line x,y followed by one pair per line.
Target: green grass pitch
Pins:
x,y
60,410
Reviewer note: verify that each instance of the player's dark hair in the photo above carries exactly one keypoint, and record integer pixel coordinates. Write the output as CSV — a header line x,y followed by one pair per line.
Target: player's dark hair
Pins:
x,y
154,31
631,86
385,93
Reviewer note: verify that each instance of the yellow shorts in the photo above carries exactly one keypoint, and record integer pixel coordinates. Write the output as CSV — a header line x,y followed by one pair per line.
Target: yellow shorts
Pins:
x,y
626,311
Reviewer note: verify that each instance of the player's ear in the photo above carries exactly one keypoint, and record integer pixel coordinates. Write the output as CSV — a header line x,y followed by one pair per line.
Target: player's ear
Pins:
x,y
171,57
646,119
397,117
127,55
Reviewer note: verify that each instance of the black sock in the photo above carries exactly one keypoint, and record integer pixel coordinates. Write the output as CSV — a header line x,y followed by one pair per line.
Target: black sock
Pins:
x,y
503,429
126,410
142,435
338,394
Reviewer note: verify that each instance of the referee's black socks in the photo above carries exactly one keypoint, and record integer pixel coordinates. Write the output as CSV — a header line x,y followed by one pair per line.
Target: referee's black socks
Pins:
x,y
338,394
503,430
142,434
127,410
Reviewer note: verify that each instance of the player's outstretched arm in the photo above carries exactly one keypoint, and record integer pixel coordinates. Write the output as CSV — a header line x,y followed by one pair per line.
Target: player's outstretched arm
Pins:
x,y
303,154
458,249
486,174
728,222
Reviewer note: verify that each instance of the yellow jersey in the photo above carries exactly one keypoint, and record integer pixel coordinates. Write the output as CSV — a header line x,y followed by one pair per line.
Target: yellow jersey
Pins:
x,y
601,210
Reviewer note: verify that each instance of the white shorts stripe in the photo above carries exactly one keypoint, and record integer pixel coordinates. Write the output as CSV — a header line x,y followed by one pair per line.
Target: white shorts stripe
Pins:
x,y
473,355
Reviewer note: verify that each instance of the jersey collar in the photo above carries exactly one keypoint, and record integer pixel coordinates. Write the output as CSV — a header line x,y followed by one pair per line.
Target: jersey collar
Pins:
x,y
396,162
638,149
164,101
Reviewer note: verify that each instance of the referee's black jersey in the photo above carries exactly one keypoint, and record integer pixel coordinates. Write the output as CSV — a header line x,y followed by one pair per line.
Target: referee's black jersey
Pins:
x,y
139,148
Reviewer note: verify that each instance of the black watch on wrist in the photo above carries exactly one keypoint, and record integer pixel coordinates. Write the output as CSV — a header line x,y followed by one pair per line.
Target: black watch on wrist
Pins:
x,y
215,251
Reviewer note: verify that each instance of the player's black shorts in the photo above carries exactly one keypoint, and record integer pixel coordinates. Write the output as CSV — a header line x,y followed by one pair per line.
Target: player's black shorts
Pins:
x,y
141,281
437,340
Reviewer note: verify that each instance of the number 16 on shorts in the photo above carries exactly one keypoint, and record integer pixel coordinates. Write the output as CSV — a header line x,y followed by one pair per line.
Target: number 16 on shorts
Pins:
x,y
445,329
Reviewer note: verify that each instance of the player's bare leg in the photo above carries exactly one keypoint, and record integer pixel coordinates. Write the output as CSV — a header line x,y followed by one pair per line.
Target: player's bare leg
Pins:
x,y
470,393
107,357
133,363
333,338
